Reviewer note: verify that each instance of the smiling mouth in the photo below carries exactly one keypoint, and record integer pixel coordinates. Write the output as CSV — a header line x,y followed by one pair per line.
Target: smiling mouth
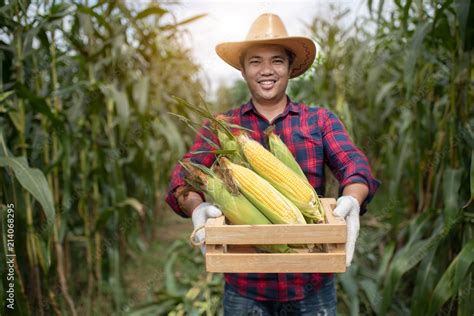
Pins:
x,y
267,84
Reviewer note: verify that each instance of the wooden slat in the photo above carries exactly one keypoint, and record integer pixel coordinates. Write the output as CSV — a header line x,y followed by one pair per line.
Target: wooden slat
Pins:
x,y
333,232
218,221
274,263
329,206
275,234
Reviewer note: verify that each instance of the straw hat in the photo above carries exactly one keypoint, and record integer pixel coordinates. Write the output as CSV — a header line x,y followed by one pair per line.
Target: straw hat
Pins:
x,y
269,29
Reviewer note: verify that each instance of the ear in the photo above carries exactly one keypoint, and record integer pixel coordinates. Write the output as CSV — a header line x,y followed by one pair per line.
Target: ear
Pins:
x,y
242,72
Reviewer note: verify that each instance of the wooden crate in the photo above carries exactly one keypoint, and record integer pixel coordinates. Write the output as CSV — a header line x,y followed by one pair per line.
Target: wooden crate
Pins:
x,y
229,247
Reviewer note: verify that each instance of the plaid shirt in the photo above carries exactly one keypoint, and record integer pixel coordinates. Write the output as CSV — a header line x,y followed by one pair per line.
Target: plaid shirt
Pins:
x,y
315,136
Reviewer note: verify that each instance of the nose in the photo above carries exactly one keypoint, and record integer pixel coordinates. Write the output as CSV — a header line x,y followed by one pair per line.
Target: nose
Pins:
x,y
267,68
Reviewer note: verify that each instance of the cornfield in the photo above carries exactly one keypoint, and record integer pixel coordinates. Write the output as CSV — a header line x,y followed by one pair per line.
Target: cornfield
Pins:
x,y
87,146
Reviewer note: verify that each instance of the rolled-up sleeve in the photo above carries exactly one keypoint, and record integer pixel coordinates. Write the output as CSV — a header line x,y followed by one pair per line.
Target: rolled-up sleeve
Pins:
x,y
207,159
345,160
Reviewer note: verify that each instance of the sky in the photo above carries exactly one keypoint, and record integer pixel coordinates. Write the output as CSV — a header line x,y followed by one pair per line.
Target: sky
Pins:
x,y
230,20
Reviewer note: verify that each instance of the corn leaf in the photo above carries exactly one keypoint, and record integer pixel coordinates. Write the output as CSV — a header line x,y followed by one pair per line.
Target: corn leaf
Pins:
x,y
452,278
452,184
413,53
425,279
186,21
100,18
190,125
34,181
5,95
408,257
155,10
471,179
121,101
37,104
371,292
215,152
351,288
171,283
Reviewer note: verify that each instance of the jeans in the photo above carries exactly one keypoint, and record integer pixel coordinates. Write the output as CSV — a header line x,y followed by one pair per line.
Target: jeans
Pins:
x,y
322,302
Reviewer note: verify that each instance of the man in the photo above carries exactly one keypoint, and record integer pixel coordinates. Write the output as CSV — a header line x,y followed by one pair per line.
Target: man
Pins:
x,y
267,59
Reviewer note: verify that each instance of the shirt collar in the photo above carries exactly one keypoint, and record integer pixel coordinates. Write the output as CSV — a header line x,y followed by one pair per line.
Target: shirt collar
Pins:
x,y
290,107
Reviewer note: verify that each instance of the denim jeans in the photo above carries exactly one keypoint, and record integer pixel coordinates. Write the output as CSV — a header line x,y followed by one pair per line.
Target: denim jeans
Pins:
x,y
322,302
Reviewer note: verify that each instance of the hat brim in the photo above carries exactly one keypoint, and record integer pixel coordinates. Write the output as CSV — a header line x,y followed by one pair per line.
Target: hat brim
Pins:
x,y
303,48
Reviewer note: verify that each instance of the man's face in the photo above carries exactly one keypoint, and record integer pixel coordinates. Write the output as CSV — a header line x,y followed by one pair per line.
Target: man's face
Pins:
x,y
266,71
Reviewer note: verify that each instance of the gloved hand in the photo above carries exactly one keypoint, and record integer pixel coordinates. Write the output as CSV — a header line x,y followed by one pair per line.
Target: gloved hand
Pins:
x,y
200,215
348,207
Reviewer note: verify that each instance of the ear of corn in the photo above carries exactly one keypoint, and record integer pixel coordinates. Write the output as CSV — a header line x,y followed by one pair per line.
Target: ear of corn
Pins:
x,y
275,206
285,180
281,151
235,207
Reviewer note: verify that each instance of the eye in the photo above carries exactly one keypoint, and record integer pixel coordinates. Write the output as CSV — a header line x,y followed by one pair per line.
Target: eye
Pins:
x,y
278,61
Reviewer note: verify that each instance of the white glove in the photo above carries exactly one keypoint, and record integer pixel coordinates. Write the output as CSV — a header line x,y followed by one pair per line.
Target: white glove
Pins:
x,y
348,208
200,215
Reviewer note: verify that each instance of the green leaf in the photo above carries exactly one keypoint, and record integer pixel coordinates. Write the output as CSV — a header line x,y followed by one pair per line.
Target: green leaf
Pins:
x,y
58,11
370,289
387,255
384,91
451,185
171,283
5,95
408,257
149,11
424,284
463,8
215,152
100,18
115,280
471,176
187,21
121,101
190,123
351,288
466,292
33,180
413,53
15,117
36,103
171,133
135,204
155,308
140,93
452,278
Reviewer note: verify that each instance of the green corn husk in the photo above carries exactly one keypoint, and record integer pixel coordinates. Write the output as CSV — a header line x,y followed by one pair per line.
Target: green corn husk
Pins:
x,y
279,149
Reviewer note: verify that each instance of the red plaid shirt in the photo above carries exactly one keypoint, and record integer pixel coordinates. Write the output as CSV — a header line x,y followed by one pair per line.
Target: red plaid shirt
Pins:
x,y
316,137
